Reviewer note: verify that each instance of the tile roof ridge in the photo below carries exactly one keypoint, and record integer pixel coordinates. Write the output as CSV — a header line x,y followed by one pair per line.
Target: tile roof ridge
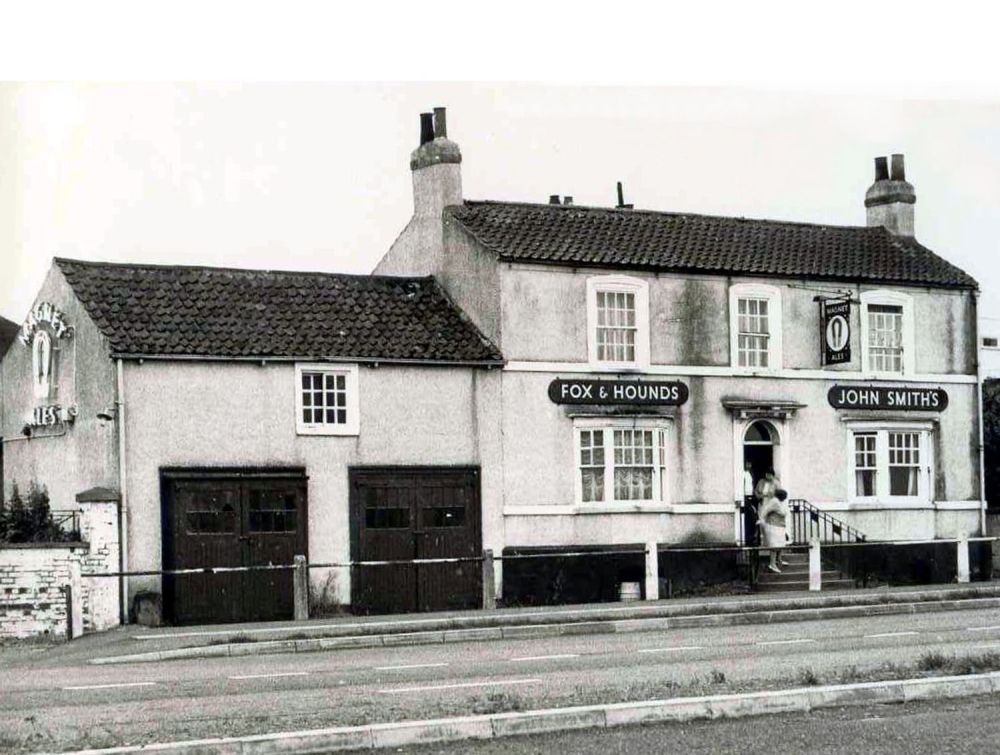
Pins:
x,y
221,269
667,213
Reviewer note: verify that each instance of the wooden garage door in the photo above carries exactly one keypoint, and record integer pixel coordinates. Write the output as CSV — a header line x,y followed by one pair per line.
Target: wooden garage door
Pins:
x,y
232,519
406,513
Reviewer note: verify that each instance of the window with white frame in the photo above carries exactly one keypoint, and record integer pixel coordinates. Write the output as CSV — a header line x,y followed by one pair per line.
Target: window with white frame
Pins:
x,y
755,326
621,462
890,464
326,399
618,321
887,332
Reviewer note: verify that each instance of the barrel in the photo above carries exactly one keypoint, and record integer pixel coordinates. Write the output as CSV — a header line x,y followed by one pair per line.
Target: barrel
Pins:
x,y
629,591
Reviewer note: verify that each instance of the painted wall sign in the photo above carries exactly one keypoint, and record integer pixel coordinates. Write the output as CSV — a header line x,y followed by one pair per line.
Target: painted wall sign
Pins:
x,y
47,416
41,331
880,397
660,393
44,313
835,326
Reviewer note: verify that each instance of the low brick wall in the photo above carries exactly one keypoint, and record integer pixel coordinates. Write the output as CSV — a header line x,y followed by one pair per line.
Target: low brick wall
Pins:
x,y
34,579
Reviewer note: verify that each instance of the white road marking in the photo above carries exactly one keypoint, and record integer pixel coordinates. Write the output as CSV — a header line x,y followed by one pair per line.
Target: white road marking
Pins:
x,y
983,629
889,634
671,650
409,666
786,642
271,676
432,687
544,657
112,686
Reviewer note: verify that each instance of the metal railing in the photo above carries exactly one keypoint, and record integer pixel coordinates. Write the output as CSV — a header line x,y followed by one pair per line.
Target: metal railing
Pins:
x,y
68,520
809,523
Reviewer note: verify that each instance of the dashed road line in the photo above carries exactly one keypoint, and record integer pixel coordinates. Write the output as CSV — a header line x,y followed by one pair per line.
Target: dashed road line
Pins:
x,y
799,641
111,686
983,629
463,685
409,666
890,634
677,649
556,657
272,675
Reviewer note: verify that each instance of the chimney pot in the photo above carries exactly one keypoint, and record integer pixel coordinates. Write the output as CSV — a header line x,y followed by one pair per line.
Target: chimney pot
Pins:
x,y
898,172
881,169
567,199
426,127
440,124
553,199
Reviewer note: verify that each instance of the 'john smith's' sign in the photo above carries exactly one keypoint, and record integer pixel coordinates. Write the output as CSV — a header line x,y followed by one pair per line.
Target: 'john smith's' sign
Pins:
x,y
879,397
663,393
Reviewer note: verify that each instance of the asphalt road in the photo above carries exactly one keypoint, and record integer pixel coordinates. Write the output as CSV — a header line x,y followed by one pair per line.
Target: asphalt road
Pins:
x,y
46,703
970,725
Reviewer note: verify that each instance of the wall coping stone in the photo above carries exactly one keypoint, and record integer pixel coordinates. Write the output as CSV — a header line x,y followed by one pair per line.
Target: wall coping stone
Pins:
x,y
28,546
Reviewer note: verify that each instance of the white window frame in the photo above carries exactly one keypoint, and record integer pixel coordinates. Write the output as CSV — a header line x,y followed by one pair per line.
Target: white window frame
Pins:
x,y
772,294
619,284
353,424
889,298
926,466
661,475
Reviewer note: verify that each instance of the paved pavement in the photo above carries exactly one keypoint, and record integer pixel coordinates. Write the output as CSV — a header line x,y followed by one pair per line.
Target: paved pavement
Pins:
x,y
49,703
919,728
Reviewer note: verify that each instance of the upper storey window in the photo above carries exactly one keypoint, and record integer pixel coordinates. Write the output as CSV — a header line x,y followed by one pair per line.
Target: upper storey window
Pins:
x,y
887,332
618,321
326,399
755,326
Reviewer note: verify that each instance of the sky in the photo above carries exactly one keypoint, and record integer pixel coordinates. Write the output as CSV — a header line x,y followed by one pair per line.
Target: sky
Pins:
x,y
315,176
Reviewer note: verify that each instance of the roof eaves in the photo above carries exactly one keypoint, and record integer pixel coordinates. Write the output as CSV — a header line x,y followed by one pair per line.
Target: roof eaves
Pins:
x,y
135,356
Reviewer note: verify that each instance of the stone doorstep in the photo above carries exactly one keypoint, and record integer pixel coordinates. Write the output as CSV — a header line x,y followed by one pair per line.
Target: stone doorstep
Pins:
x,y
497,725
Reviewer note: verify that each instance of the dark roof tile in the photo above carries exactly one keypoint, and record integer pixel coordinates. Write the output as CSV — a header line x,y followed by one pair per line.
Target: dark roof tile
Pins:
x,y
594,236
216,312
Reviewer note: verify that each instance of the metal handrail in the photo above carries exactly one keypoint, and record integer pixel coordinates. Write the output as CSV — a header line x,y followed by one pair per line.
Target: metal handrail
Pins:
x,y
809,523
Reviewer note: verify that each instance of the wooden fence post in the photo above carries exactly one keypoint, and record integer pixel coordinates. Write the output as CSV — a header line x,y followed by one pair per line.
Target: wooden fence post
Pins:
x,y
489,581
815,566
652,571
963,558
300,580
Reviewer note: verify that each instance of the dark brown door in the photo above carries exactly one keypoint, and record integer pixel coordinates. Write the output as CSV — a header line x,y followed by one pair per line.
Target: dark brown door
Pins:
x,y
224,521
401,514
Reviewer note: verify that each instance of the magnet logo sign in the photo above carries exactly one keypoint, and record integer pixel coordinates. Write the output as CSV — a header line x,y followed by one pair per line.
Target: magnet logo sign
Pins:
x,y
835,321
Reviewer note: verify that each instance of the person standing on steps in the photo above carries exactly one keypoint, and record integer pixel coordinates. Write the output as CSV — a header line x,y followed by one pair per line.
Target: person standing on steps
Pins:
x,y
773,518
766,486
750,530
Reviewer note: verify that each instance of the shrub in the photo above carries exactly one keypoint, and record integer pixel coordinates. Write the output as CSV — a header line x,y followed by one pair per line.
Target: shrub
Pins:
x,y
29,519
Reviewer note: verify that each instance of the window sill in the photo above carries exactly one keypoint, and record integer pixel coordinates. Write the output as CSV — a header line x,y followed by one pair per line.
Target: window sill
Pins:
x,y
327,431
613,367
625,507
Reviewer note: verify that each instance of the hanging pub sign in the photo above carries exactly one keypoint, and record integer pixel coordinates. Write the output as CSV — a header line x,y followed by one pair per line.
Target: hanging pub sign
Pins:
x,y
835,330
880,397
660,393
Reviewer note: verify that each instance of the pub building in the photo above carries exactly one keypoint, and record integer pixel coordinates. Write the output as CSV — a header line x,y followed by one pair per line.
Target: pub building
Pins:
x,y
524,378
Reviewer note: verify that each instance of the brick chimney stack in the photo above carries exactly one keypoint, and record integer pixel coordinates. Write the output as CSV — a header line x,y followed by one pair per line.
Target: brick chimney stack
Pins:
x,y
889,201
436,166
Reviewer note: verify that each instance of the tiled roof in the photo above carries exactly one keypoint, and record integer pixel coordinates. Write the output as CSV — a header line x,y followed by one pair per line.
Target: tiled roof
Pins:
x,y
149,310
593,236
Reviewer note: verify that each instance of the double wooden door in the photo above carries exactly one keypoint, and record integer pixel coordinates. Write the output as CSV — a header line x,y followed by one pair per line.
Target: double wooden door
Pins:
x,y
407,513
232,520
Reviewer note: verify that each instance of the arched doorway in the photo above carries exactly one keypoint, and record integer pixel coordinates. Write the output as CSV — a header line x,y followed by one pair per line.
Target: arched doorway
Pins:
x,y
759,441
